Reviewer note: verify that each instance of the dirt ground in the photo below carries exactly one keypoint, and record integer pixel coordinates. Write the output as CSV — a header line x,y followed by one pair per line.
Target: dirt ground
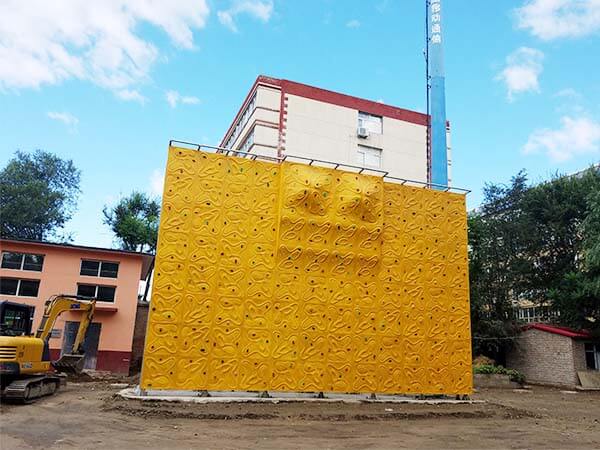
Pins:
x,y
88,415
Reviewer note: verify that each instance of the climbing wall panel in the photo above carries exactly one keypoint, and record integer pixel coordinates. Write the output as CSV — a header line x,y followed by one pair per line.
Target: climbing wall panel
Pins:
x,y
289,277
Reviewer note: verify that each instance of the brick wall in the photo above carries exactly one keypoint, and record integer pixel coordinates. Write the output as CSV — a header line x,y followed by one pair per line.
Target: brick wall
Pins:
x,y
579,355
547,358
139,335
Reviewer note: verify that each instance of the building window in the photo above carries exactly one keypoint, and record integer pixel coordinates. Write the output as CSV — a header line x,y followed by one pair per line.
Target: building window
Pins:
x,y
101,293
373,124
99,268
592,356
535,314
22,261
241,123
248,142
17,286
368,157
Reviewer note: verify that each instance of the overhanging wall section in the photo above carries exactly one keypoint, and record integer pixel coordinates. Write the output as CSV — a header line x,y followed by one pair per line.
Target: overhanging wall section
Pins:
x,y
298,278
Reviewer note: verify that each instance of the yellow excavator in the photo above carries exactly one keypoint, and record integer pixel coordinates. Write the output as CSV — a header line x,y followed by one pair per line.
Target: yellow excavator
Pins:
x,y
25,359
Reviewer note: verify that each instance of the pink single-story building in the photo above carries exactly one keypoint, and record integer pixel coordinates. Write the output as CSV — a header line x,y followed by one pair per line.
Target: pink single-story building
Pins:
x,y
33,271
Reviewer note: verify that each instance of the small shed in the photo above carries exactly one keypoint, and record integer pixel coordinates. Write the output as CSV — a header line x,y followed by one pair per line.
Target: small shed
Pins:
x,y
550,354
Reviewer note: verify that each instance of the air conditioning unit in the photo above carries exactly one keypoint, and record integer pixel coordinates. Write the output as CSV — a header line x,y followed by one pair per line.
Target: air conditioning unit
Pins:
x,y
362,132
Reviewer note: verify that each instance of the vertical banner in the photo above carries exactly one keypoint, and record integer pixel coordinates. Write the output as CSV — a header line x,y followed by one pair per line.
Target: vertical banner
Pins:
x,y
439,152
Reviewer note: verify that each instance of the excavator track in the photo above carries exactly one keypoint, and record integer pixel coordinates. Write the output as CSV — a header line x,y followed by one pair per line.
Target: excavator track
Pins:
x,y
28,389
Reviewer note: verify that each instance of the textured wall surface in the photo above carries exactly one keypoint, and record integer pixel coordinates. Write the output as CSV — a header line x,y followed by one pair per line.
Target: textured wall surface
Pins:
x,y
289,277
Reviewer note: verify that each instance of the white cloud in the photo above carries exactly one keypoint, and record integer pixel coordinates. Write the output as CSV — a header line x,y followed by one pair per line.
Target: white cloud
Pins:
x,y
131,96
174,97
568,93
68,119
259,9
45,43
157,181
190,100
576,136
354,23
554,19
522,71
569,102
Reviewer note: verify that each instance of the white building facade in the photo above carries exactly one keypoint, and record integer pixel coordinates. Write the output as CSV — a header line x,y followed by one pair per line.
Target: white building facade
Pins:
x,y
282,117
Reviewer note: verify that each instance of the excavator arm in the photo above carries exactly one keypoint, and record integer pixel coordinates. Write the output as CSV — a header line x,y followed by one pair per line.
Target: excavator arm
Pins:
x,y
54,307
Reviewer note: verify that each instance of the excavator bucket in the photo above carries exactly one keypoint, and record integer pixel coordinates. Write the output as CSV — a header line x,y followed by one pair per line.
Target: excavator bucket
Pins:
x,y
70,364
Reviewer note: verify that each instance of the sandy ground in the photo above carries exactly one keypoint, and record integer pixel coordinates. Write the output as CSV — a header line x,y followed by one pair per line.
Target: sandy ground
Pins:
x,y
88,415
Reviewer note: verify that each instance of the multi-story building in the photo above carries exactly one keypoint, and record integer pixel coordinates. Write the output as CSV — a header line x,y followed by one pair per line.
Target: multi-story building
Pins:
x,y
31,272
282,117
529,312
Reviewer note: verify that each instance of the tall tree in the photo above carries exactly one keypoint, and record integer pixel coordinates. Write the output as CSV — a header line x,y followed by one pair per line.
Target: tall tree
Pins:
x,y
134,221
539,243
498,240
577,295
556,211
38,194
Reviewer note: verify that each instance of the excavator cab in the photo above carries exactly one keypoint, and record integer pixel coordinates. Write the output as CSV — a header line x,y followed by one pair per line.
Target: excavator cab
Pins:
x,y
15,319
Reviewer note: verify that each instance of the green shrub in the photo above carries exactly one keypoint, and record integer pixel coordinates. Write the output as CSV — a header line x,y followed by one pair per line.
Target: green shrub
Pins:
x,y
487,369
515,376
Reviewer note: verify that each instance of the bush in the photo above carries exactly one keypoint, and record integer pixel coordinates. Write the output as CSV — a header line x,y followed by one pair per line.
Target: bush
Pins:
x,y
515,376
487,369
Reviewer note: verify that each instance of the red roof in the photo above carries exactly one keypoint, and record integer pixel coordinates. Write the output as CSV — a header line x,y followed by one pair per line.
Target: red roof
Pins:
x,y
563,331
348,101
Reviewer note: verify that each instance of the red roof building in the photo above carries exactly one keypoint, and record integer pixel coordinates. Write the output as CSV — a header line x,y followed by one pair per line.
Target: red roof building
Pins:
x,y
555,355
562,331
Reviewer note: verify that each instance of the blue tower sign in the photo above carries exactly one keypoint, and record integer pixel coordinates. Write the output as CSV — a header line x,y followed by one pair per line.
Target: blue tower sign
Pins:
x,y
435,61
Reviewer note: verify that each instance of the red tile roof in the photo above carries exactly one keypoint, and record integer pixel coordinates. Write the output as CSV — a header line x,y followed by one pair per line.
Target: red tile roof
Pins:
x,y
563,331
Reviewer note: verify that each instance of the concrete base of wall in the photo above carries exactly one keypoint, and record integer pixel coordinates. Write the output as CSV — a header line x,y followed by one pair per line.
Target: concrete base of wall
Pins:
x,y
277,397
493,380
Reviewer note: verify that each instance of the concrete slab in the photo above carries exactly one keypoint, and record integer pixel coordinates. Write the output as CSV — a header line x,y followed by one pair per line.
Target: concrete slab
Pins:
x,y
493,380
278,397
589,379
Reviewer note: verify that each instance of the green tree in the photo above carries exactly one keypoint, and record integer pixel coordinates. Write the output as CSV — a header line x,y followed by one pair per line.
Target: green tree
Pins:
x,y
577,295
134,221
498,239
539,243
38,195
556,211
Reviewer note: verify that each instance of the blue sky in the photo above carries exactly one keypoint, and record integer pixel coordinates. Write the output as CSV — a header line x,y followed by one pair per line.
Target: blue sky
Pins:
x,y
108,85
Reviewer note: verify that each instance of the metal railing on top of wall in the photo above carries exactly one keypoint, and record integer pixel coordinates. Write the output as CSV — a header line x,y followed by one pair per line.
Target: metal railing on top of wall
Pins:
x,y
311,161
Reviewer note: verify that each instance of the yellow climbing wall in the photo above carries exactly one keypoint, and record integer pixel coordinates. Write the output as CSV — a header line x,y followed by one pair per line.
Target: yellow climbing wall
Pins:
x,y
289,277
